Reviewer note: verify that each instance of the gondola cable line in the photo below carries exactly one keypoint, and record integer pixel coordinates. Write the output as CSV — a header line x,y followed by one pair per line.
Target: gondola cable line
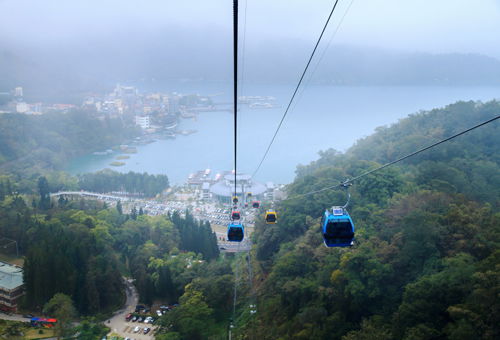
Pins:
x,y
369,172
320,58
337,226
296,89
235,230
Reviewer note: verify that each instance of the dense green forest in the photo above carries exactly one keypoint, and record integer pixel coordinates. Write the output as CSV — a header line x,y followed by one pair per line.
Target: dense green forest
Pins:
x,y
30,144
82,249
131,182
426,262
104,181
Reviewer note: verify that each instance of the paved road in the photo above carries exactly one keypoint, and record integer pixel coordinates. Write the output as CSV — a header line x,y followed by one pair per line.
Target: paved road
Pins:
x,y
123,328
14,317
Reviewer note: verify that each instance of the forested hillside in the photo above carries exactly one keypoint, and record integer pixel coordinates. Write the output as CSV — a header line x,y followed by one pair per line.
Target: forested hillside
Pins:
x,y
425,263
426,260
83,248
34,143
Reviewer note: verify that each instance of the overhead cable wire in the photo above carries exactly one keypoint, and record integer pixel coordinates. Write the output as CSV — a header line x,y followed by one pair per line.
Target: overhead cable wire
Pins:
x,y
235,292
252,299
296,88
235,88
235,98
243,45
311,74
369,172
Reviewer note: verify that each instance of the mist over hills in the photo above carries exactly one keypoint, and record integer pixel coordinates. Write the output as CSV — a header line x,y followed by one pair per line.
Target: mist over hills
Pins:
x,y
66,71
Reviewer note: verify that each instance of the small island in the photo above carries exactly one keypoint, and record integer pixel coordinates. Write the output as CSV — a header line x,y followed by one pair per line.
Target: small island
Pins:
x,y
130,150
117,163
122,157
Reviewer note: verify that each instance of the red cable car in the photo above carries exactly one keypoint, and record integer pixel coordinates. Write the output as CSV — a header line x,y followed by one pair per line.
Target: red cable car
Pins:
x,y
235,215
256,204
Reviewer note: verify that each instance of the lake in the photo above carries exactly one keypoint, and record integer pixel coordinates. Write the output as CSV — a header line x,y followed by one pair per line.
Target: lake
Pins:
x,y
323,117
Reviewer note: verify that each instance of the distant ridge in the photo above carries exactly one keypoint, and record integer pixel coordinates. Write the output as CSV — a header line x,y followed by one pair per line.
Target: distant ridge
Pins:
x,y
72,70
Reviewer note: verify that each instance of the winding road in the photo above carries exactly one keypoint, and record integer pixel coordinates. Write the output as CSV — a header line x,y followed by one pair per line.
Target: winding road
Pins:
x,y
117,323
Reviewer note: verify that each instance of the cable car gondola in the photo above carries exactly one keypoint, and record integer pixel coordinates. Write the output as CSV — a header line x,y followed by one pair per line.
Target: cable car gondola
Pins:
x,y
235,215
235,232
337,228
256,204
235,199
271,217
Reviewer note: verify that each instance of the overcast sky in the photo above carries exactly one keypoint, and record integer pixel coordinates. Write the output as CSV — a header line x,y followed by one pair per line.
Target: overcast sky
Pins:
x,y
470,26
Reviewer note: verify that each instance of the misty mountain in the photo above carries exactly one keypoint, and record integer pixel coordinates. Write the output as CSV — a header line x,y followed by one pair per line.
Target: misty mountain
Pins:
x,y
56,72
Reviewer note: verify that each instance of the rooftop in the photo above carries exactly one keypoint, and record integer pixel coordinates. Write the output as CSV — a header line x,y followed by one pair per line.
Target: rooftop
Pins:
x,y
222,188
11,276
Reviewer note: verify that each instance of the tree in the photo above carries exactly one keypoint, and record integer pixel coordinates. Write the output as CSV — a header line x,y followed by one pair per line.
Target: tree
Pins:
x,y
119,207
44,191
193,317
133,213
61,307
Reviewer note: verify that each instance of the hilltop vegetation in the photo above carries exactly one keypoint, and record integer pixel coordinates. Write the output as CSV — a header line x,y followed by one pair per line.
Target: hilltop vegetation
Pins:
x,y
426,261
83,248
425,265
31,144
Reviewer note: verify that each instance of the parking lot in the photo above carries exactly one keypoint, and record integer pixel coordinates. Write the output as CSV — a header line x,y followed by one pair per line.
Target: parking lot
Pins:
x,y
124,328
129,331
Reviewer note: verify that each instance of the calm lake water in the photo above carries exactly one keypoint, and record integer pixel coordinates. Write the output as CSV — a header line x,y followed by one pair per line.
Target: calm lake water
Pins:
x,y
323,117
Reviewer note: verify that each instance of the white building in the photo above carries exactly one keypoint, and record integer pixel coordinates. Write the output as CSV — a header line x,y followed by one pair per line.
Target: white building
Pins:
x,y
22,107
205,190
224,188
143,121
18,91
11,286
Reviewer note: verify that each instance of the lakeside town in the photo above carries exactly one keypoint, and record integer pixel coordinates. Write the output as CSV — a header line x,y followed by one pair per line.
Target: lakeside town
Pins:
x,y
206,195
153,112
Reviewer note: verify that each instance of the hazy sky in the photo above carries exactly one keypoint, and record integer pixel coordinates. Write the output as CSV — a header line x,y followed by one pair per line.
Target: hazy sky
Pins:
x,y
471,26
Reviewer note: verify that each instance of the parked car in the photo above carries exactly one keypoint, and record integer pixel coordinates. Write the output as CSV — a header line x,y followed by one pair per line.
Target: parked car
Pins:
x,y
128,317
134,318
29,316
146,330
158,312
139,319
137,329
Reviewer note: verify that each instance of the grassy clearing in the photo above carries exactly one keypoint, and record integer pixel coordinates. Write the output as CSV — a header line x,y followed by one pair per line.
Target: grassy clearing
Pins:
x,y
8,328
34,333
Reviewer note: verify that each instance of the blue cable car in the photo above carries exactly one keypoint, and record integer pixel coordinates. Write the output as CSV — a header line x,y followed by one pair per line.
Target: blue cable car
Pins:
x,y
337,228
235,232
